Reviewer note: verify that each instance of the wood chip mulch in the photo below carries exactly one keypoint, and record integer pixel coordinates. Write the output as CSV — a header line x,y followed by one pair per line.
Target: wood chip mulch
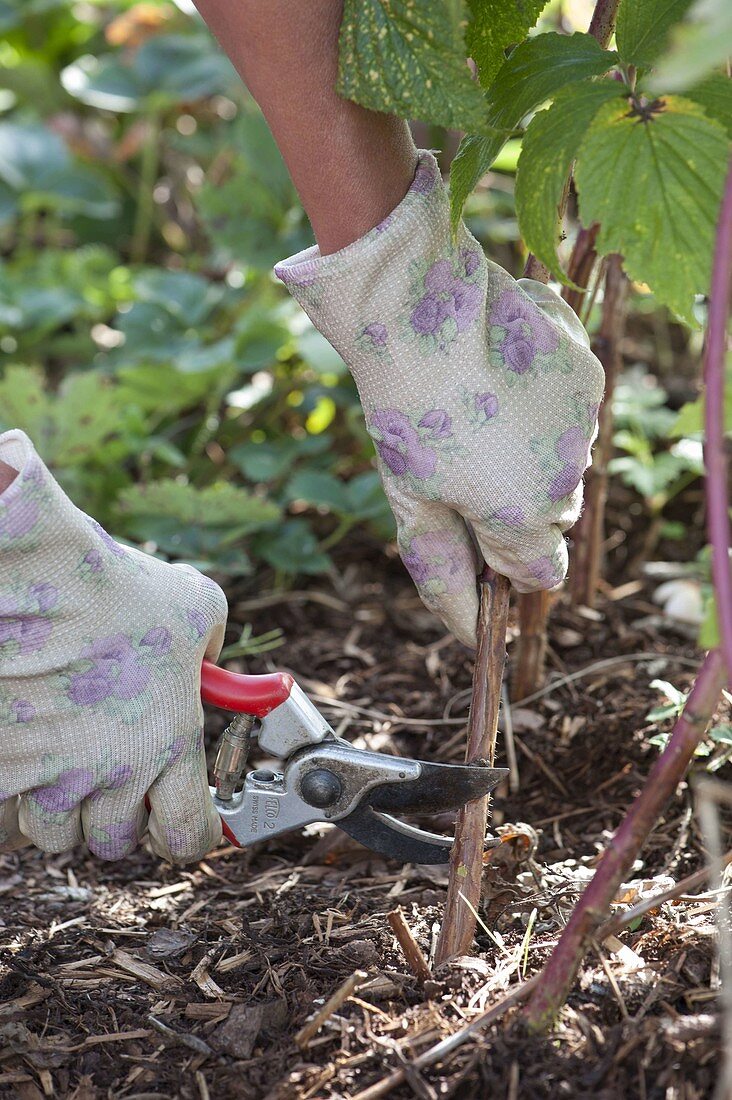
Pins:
x,y
139,980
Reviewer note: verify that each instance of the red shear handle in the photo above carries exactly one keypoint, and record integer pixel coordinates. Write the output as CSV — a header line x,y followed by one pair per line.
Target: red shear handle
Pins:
x,y
257,695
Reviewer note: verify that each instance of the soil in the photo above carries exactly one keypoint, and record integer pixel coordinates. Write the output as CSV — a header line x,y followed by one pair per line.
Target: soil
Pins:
x,y
142,980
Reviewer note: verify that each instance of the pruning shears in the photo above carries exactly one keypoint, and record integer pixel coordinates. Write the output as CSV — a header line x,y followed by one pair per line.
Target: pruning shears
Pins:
x,y
323,777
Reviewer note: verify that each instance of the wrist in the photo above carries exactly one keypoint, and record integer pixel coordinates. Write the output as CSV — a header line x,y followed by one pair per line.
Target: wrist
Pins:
x,y
8,475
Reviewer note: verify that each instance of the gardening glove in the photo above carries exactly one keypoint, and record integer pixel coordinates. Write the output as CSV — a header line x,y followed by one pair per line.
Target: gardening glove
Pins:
x,y
100,657
479,391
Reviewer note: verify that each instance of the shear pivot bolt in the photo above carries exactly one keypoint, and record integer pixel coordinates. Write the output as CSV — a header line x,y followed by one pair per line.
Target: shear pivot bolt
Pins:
x,y
321,788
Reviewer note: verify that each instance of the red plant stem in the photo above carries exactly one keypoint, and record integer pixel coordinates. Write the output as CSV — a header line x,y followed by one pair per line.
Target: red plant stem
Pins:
x,y
528,673
466,858
715,455
580,267
602,24
557,977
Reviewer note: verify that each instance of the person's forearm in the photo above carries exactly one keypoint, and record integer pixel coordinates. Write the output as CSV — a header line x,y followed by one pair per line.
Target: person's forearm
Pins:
x,y
351,166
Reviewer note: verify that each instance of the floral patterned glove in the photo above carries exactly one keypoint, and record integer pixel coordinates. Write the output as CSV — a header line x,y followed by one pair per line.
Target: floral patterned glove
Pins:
x,y
100,657
480,393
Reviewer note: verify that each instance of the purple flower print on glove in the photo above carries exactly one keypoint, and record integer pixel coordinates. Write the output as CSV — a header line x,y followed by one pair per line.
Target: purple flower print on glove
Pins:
x,y
108,541
45,595
565,482
198,621
118,776
545,572
90,687
468,298
430,314
376,333
395,428
70,788
486,405
424,179
175,750
528,332
385,223
573,449
117,670
23,710
448,297
132,679
471,260
438,559
121,838
28,629
159,639
439,422
399,446
93,561
518,353
512,515
18,516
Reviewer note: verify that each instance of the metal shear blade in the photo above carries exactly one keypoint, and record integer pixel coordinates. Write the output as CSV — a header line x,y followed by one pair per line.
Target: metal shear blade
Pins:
x,y
440,787
325,778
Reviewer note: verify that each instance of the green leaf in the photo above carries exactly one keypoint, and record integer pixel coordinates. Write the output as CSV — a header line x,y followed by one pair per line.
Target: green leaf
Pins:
x,y
74,189
166,69
675,697
549,147
709,636
254,215
472,161
151,334
259,336
494,25
292,548
643,28
262,461
28,153
188,297
699,44
37,166
9,204
715,95
367,501
654,184
408,57
183,68
320,489
105,83
217,506
69,425
316,351
162,391
721,735
690,418
535,71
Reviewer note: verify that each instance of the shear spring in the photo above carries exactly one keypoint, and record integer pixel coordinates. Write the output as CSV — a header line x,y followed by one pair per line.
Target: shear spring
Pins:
x,y
232,756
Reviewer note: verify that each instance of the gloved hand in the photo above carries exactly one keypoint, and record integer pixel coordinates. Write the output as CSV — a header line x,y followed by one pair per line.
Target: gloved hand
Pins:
x,y
100,657
480,393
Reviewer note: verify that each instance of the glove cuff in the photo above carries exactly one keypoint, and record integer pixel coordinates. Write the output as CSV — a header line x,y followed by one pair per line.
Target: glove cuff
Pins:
x,y
36,516
25,502
339,291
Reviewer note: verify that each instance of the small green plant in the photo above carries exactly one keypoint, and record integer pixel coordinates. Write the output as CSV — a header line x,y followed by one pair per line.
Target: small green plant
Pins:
x,y
650,463
716,748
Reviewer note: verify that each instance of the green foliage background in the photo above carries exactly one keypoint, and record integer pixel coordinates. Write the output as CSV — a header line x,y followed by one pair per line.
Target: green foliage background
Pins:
x,y
177,392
